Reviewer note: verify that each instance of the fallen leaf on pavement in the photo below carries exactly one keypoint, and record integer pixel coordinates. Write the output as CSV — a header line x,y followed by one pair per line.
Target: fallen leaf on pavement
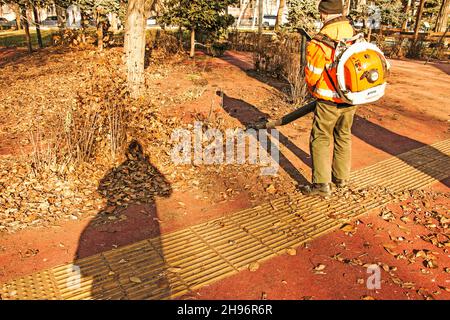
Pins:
x,y
319,269
174,269
135,280
291,251
271,189
253,266
347,228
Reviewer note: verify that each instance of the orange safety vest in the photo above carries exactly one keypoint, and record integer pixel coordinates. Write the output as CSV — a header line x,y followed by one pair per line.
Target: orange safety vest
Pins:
x,y
320,55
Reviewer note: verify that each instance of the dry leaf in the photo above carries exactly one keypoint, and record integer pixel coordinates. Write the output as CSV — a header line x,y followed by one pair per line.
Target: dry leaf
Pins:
x,y
135,280
320,267
348,228
174,269
291,251
405,219
408,285
385,267
389,245
390,251
271,189
253,266
404,229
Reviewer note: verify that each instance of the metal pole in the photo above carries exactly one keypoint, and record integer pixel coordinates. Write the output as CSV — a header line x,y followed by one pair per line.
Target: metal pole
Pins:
x,y
260,16
260,24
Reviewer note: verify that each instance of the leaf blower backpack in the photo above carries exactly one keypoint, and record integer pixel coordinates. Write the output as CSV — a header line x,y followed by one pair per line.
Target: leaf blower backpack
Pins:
x,y
361,69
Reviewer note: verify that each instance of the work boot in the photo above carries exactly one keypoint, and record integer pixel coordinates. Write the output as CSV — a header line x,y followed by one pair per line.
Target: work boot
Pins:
x,y
340,183
321,189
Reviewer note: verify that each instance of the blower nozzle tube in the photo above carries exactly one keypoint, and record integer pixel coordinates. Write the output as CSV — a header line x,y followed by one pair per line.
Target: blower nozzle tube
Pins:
x,y
294,115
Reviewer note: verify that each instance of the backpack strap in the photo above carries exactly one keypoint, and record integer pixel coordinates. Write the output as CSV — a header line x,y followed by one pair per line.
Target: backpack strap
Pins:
x,y
323,38
332,43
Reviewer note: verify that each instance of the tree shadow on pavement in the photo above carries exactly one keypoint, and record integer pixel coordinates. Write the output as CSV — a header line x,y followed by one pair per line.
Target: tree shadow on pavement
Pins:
x,y
131,216
444,67
396,145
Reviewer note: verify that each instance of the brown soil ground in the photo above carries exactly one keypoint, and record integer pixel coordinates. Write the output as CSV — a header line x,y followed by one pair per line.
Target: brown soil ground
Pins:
x,y
413,113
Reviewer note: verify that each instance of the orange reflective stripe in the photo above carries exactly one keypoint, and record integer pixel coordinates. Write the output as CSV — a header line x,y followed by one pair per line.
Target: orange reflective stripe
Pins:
x,y
326,93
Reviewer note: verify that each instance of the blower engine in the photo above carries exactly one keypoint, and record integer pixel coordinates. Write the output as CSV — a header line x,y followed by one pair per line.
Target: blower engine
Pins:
x,y
361,71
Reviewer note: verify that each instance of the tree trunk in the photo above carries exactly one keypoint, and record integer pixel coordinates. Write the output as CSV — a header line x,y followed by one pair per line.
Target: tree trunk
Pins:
x,y
16,10
346,7
100,36
192,53
38,26
180,35
84,25
418,19
135,46
260,24
61,14
241,14
255,2
280,14
442,19
407,9
114,22
27,28
99,24
260,16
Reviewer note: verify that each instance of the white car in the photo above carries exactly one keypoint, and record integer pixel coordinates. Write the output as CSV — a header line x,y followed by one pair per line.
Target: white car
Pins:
x,y
151,21
269,21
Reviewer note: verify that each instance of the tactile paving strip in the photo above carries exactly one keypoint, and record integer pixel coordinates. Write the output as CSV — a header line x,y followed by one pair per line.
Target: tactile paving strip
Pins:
x,y
173,264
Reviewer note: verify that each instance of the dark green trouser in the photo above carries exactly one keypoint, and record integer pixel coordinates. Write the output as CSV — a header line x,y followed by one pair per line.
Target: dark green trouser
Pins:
x,y
331,123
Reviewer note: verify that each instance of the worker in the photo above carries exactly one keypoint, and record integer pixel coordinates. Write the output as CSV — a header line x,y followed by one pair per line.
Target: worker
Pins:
x,y
333,118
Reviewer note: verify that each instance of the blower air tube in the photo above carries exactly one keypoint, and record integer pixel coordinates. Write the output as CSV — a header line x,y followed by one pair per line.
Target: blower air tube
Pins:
x,y
294,115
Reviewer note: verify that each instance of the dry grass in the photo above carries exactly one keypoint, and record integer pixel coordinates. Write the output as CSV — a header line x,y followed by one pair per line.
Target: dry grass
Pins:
x,y
280,57
94,126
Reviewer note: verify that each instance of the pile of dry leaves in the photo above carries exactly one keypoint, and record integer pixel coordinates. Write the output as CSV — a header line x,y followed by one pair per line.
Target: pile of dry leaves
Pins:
x,y
66,127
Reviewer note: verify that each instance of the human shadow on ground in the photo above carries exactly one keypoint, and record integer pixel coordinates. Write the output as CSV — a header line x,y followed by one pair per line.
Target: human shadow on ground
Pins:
x,y
130,216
